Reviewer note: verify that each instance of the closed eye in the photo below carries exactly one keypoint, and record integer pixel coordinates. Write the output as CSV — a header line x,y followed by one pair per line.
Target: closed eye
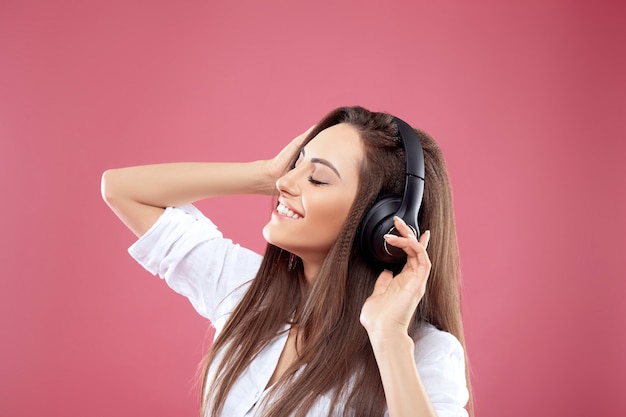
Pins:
x,y
316,182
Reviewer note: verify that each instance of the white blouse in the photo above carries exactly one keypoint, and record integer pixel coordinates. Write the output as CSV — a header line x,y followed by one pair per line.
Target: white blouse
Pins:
x,y
187,250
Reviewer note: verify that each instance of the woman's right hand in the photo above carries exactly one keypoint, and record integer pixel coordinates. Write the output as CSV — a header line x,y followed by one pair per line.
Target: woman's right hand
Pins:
x,y
277,166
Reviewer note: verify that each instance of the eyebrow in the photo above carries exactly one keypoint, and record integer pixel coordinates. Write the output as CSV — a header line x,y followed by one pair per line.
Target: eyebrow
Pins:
x,y
323,162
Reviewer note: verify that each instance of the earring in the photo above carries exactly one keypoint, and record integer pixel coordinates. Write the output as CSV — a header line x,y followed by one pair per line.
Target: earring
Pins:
x,y
291,265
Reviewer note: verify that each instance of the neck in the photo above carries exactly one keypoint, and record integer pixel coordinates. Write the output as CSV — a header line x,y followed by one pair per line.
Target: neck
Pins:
x,y
310,269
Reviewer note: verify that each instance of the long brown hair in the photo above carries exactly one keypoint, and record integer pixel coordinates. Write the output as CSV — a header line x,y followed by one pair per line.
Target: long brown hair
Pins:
x,y
334,349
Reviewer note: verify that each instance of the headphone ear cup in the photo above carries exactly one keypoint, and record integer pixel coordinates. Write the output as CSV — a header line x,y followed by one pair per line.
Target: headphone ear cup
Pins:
x,y
376,223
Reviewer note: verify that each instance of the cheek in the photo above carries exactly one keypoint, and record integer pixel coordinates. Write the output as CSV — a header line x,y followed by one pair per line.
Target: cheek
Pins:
x,y
332,213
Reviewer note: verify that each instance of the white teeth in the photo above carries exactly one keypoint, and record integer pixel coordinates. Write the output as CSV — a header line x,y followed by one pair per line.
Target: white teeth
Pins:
x,y
285,211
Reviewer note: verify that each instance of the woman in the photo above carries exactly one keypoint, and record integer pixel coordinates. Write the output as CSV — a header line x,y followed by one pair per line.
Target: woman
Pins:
x,y
314,327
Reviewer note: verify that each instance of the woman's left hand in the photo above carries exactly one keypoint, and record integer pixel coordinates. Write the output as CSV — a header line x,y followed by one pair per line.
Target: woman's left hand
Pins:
x,y
388,311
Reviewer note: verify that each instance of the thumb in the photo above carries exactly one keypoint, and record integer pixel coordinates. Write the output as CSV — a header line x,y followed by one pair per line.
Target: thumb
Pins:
x,y
382,282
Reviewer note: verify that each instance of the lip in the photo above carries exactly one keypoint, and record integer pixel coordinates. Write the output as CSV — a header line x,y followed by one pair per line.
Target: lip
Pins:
x,y
290,207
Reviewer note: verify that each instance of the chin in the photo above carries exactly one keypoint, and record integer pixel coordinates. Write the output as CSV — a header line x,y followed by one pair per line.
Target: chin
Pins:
x,y
270,237
267,235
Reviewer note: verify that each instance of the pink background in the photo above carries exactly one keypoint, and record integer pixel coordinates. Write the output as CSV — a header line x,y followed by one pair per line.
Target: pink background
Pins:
x,y
528,102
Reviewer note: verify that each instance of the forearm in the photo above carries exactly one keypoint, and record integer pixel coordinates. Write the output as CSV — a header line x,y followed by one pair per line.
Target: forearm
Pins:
x,y
139,194
404,391
174,184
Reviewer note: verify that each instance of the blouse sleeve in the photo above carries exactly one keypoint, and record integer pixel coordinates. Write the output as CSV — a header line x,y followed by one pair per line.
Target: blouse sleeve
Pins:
x,y
188,251
440,361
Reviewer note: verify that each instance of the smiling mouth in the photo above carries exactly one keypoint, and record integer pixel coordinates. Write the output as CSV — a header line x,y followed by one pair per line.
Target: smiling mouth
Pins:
x,y
286,211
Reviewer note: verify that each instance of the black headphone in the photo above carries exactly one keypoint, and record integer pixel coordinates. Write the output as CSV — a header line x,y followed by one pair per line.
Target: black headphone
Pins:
x,y
378,221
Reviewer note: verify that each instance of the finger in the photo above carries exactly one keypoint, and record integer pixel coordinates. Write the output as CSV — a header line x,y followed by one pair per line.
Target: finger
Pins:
x,y
408,244
302,136
417,268
424,239
298,140
309,130
382,282
408,232
414,249
404,229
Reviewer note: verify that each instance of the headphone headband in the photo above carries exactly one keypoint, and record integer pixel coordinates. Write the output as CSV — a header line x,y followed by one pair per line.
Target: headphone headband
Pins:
x,y
414,181
412,146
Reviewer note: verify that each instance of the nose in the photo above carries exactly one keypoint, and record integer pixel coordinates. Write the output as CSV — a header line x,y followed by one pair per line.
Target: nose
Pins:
x,y
288,183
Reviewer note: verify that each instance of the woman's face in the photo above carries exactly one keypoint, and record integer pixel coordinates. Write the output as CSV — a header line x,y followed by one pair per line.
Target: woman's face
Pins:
x,y
316,195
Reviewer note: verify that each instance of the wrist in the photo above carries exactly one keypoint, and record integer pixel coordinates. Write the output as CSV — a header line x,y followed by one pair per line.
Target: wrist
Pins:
x,y
267,180
389,339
